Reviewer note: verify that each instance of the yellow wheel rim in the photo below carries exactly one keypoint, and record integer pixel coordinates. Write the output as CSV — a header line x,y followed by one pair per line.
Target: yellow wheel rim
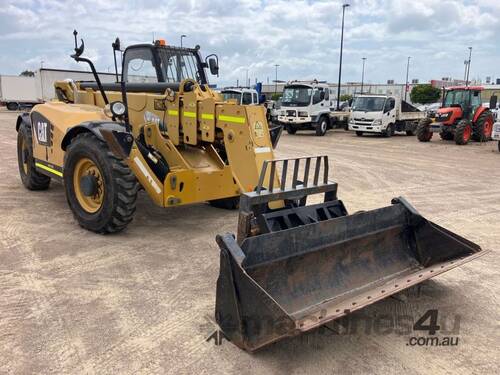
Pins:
x,y
86,167
24,153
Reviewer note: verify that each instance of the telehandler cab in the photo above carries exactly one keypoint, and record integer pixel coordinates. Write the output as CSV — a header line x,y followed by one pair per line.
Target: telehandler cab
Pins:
x,y
292,266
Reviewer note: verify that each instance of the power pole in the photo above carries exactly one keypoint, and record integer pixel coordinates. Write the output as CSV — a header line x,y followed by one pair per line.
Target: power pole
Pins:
x,y
363,75
468,67
276,78
341,50
407,71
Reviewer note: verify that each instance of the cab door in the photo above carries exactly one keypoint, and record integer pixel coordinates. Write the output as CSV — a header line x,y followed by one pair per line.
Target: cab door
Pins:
x,y
389,115
255,99
318,103
475,102
246,98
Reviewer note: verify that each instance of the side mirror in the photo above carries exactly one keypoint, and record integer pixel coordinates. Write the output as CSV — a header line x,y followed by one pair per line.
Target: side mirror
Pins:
x,y
493,102
78,50
322,95
214,66
116,45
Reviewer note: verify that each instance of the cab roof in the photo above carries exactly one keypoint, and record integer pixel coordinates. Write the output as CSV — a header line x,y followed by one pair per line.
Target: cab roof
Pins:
x,y
370,95
472,88
237,89
307,83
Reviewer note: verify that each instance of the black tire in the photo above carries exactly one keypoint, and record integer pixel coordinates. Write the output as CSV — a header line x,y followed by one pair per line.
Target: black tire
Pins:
x,y
12,106
120,186
478,130
423,132
321,127
290,129
359,134
463,132
31,179
389,131
447,136
231,203
410,128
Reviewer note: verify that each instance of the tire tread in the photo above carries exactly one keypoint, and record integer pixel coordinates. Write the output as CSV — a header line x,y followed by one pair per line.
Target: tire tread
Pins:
x,y
33,180
125,182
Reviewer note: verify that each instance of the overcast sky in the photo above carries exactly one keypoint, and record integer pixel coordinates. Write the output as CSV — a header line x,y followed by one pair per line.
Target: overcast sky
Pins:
x,y
303,37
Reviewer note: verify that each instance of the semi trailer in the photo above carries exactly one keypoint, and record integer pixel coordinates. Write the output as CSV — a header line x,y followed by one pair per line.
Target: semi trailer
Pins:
x,y
17,92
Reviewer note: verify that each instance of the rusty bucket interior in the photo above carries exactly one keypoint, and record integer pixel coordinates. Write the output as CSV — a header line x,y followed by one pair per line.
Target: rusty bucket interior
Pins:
x,y
282,283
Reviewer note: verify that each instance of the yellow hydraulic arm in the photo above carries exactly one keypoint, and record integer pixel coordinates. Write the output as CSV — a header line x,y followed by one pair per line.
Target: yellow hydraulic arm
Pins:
x,y
214,149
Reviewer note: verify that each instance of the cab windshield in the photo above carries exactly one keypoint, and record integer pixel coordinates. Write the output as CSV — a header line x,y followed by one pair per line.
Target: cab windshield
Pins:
x,y
148,65
368,104
178,65
456,97
231,95
296,96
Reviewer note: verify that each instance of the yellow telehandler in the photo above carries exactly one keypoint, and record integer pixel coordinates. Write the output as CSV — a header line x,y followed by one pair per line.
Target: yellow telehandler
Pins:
x,y
292,266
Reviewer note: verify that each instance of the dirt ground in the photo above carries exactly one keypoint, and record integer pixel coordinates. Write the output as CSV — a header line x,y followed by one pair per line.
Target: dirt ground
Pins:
x,y
142,301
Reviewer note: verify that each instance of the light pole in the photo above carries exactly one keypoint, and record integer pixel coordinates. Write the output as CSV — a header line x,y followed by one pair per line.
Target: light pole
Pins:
x,y
341,49
363,74
41,76
407,71
276,79
468,67
182,36
246,78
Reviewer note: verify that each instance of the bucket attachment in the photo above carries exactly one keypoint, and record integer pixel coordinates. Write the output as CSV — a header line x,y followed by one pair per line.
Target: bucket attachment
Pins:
x,y
299,267
275,134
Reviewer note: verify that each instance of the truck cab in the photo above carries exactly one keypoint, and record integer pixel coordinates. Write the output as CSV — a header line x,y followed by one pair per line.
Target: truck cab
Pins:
x,y
306,105
383,114
242,95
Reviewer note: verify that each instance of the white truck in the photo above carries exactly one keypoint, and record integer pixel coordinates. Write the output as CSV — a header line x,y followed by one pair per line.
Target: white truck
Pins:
x,y
242,95
272,110
17,92
495,135
306,105
245,95
383,114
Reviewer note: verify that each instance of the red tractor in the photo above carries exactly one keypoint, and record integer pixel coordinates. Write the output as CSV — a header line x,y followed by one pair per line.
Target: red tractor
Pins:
x,y
462,117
